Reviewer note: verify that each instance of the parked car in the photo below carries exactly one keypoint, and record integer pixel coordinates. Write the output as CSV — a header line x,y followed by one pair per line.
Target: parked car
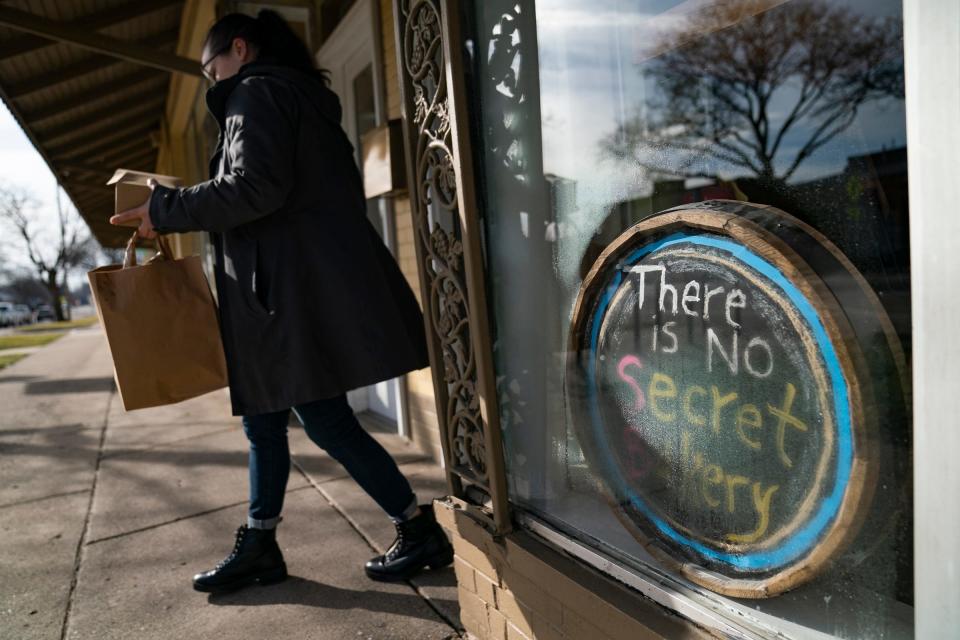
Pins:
x,y
45,312
24,314
6,314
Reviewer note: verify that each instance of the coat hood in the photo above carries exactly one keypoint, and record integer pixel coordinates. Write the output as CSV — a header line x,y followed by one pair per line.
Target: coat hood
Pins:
x,y
312,86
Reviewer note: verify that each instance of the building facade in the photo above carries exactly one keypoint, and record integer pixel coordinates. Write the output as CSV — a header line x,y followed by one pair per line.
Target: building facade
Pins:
x,y
696,393
687,273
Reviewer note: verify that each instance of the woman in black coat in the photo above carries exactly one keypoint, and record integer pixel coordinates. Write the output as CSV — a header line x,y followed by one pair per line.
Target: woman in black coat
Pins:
x,y
311,303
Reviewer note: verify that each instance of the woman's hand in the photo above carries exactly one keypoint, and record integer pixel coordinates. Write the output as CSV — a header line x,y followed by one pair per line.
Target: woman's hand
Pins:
x,y
141,214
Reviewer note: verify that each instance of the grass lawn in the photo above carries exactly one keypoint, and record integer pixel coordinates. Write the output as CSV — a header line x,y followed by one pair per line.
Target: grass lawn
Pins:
x,y
56,326
7,359
21,341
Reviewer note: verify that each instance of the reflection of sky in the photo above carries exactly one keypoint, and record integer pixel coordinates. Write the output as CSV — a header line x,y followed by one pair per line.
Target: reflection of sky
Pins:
x,y
590,80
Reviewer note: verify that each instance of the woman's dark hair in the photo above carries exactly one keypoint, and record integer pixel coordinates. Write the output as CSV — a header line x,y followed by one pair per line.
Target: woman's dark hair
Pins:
x,y
268,33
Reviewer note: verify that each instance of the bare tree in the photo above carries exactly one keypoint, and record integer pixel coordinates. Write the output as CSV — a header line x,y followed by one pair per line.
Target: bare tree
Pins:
x,y
732,91
51,261
23,285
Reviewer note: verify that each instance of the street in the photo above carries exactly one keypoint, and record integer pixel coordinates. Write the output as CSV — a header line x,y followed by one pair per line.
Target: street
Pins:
x,y
106,515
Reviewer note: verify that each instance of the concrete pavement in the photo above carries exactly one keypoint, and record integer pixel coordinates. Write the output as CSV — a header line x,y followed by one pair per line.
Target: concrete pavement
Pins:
x,y
105,515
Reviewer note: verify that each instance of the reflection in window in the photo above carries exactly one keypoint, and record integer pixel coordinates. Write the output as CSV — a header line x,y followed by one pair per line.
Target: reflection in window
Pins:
x,y
595,115
764,106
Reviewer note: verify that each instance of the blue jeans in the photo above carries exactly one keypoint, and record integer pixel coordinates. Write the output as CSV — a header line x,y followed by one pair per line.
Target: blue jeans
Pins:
x,y
332,425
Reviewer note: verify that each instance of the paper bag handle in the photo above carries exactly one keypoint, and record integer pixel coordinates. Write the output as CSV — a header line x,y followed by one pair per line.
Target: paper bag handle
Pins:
x,y
130,253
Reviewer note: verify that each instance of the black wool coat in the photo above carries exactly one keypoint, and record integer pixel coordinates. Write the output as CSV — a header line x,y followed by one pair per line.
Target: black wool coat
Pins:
x,y
311,303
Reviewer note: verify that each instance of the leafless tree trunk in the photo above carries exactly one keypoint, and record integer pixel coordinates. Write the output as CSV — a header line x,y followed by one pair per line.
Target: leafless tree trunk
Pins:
x,y
718,79
51,261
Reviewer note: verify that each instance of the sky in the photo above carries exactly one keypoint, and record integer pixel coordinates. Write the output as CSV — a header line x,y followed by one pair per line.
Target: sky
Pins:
x,y
21,167
590,78
591,71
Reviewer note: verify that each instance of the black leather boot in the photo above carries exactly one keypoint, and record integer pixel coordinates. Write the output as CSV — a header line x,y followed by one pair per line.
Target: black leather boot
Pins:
x,y
420,543
255,558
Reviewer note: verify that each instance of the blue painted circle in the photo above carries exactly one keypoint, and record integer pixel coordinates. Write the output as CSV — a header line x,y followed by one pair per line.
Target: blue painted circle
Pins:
x,y
798,544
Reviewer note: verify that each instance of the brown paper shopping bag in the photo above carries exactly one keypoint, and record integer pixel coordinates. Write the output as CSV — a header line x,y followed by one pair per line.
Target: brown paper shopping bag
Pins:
x,y
161,325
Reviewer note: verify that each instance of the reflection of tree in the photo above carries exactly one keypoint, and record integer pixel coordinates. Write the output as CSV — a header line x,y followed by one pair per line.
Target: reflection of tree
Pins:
x,y
734,94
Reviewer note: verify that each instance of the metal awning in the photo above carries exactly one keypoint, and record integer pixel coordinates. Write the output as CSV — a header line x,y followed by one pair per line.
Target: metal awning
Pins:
x,y
88,82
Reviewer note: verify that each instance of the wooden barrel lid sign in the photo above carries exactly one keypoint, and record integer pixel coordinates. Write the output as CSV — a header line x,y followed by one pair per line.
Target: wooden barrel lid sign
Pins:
x,y
715,389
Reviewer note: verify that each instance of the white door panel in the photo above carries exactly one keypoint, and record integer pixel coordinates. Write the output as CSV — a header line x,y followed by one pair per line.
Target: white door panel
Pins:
x,y
349,56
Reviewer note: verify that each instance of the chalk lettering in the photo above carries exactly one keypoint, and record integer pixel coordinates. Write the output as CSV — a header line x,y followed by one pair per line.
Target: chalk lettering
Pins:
x,y
707,447
632,361
670,334
758,343
697,461
643,270
692,486
749,416
690,297
707,294
664,287
712,475
732,483
638,455
687,485
761,503
661,387
696,419
719,402
705,477
731,358
785,419
735,300
664,290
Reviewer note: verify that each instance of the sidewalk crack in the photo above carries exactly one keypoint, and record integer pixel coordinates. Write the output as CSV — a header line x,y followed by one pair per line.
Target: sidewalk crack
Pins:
x,y
370,543
42,498
129,452
78,557
347,476
189,516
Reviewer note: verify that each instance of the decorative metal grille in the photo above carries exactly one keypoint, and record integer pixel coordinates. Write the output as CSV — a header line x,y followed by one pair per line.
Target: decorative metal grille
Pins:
x,y
449,256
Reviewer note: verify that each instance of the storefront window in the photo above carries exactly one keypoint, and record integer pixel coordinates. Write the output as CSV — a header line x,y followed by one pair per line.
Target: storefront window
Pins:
x,y
717,395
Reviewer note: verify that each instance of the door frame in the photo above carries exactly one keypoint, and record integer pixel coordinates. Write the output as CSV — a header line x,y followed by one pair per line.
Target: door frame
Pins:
x,y
355,31
932,66
360,28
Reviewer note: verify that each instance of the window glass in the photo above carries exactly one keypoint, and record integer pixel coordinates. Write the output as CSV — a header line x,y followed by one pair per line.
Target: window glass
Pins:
x,y
720,396
365,111
365,119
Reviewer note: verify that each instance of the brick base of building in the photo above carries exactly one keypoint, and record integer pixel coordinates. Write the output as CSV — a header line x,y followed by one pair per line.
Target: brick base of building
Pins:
x,y
518,588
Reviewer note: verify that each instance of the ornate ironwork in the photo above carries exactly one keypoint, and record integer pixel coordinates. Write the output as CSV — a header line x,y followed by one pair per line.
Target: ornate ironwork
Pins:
x,y
506,72
523,210
439,239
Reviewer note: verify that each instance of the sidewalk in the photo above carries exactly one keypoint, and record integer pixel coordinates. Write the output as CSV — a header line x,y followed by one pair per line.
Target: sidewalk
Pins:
x,y
106,515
